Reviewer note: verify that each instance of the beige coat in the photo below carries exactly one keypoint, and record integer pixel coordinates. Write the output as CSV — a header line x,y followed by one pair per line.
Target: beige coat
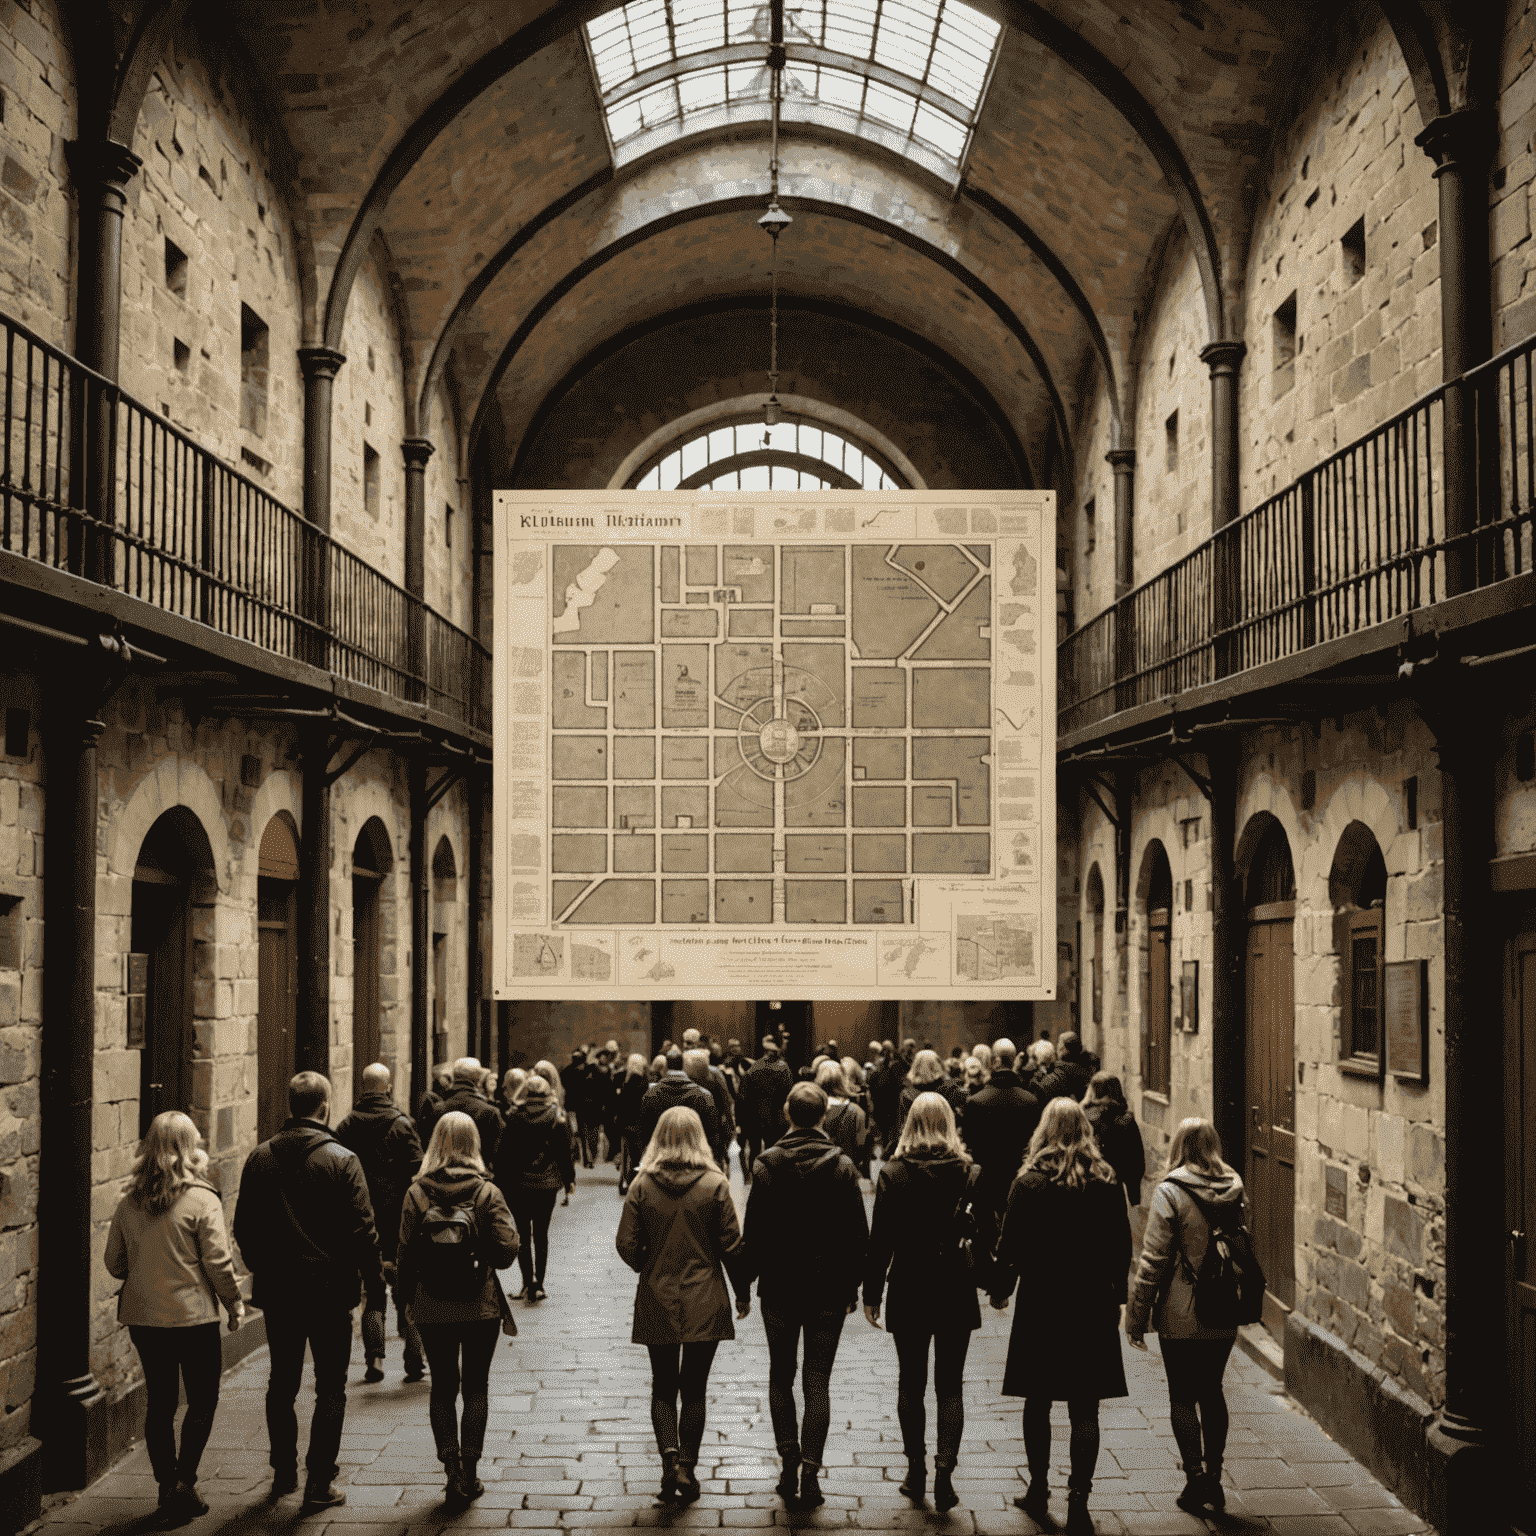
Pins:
x,y
175,1267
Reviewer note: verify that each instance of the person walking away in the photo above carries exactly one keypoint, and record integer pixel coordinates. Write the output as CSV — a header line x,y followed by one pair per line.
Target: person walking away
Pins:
x,y
168,1246
805,1238
844,1122
455,1233
1070,1074
1116,1131
1067,1241
304,1224
676,1089
696,1065
574,1079
465,1097
916,1241
511,1080
999,1121
632,1089
927,1075
386,1144
678,1232
1199,1185
431,1105
533,1164
1042,1059
763,1092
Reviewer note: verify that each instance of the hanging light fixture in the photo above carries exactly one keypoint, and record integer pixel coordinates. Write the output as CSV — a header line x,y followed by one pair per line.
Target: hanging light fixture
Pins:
x,y
775,221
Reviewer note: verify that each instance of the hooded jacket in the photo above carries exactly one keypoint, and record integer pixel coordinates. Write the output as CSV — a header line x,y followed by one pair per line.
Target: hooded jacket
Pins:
x,y
676,1090
1119,1139
468,1100
913,1239
386,1144
535,1148
848,1125
806,1232
175,1267
304,1221
677,1230
1066,1078
763,1092
495,1237
1163,1296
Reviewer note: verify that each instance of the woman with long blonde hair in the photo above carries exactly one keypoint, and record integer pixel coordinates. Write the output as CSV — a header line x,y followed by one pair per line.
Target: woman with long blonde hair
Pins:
x,y
1198,1186
932,1301
453,1290
1065,1206
168,1245
678,1232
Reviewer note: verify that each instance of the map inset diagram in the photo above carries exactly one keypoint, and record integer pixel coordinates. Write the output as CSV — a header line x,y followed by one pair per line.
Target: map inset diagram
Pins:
x,y
767,735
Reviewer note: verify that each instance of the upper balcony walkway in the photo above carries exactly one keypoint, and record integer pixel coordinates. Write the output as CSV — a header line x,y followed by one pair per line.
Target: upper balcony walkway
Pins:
x,y
1354,558
167,524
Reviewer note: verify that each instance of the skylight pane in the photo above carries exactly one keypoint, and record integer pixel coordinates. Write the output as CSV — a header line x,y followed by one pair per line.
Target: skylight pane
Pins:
x,y
755,478
624,121
671,472
810,442
722,444
851,28
695,456
806,23
940,130
704,88
842,89
658,105
743,17
699,24
887,105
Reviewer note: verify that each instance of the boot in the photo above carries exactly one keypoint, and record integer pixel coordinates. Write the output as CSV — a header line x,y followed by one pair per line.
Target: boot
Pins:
x,y
688,1489
811,1496
1193,1499
915,1484
453,1478
1215,1494
944,1495
668,1493
1035,1502
1079,1522
788,1485
470,1484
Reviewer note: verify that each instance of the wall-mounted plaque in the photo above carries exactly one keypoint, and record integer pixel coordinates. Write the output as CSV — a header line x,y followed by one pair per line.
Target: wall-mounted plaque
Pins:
x,y
1336,1192
1407,1020
136,1022
1189,997
136,976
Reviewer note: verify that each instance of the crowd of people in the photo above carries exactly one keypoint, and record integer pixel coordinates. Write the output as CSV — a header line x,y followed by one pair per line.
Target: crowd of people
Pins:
x,y
983,1161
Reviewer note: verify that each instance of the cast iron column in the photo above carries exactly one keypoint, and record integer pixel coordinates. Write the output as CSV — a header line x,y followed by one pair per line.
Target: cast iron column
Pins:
x,y
1123,461
320,366
1228,945
1223,358
68,1390
421,1056
1467,1430
1461,145
416,451
312,1048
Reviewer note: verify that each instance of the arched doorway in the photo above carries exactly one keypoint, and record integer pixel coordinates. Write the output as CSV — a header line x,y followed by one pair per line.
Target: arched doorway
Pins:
x,y
445,882
173,873
1270,1156
372,860
277,970
1156,885
1095,895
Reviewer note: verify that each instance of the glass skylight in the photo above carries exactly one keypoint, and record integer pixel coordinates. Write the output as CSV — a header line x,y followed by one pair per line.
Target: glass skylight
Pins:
x,y
908,74
749,456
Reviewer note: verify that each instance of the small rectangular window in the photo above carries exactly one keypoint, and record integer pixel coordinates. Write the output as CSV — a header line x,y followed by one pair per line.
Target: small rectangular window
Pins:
x,y
1157,1005
181,355
448,528
254,362
1352,249
175,269
1171,434
1090,527
370,482
1361,1042
1283,336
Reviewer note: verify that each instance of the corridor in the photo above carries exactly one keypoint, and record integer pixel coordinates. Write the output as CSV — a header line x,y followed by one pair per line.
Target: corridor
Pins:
x,y
570,1446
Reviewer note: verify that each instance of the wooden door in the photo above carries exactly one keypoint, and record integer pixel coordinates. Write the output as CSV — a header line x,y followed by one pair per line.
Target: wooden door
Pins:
x,y
1157,1030
365,974
1270,1164
1520,1195
276,1002
161,928
439,997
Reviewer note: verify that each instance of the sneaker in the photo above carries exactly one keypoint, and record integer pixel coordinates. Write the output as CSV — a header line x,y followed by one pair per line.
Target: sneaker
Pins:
x,y
372,1373
322,1496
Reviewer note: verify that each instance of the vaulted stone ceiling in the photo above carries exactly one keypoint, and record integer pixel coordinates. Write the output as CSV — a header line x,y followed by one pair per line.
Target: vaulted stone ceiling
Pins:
x,y
470,137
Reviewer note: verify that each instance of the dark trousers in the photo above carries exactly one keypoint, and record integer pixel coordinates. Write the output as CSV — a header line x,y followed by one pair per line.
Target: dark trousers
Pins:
x,y
328,1332
950,1348
822,1332
171,1356
680,1371
531,1210
1197,1404
1083,1444
373,1332
443,1343
750,1144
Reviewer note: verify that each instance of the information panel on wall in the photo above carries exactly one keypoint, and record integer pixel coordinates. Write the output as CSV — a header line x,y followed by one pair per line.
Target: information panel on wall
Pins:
x,y
757,745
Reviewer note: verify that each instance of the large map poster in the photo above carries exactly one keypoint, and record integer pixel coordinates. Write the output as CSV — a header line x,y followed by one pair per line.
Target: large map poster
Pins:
x,y
755,745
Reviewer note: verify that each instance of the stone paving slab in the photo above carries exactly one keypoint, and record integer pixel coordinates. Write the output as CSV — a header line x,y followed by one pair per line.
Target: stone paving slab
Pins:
x,y
569,1444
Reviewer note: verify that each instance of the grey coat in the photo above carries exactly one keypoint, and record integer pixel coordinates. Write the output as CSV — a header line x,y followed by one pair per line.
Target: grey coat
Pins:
x,y
1163,1296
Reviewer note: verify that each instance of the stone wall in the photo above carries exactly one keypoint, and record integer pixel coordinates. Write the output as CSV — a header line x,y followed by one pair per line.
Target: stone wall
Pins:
x,y
1514,176
37,119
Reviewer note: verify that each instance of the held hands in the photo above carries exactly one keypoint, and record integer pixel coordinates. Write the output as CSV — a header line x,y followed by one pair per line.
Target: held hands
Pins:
x,y
872,1314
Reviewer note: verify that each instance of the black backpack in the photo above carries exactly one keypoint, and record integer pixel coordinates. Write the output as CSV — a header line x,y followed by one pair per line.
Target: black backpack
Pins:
x,y
448,1252
1229,1287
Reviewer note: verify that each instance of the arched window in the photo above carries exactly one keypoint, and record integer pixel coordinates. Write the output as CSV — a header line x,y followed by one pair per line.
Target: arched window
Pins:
x,y
1157,987
277,971
1271,878
799,454
1357,892
1096,953
445,883
372,860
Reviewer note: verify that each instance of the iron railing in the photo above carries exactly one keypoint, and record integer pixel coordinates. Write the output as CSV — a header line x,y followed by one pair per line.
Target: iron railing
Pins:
x,y
94,483
1359,539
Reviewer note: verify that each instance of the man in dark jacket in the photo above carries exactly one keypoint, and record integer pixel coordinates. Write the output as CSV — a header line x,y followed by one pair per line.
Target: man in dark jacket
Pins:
x,y
676,1089
386,1144
575,1079
1069,1076
805,1239
885,1093
431,1106
763,1092
466,1097
305,1228
999,1120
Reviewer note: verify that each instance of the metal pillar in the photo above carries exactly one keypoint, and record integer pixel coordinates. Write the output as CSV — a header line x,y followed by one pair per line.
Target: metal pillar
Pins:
x,y
312,1048
1223,358
320,366
416,775
416,451
1123,461
68,1391
1228,944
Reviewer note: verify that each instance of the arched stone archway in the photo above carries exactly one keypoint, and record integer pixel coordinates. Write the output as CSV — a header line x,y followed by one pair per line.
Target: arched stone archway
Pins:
x,y
277,969
373,860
